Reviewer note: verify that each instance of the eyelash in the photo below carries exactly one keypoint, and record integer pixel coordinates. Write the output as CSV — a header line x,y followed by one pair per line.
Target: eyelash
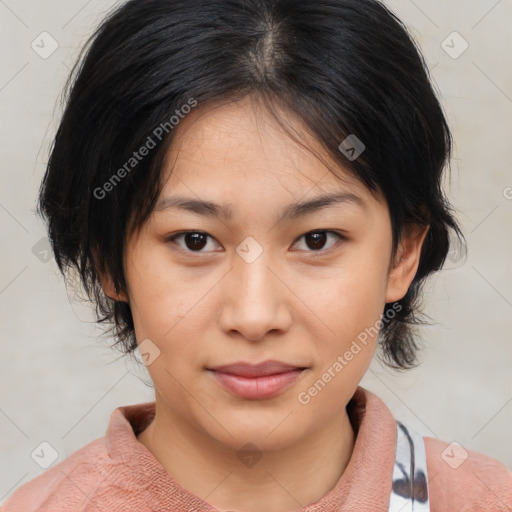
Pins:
x,y
182,233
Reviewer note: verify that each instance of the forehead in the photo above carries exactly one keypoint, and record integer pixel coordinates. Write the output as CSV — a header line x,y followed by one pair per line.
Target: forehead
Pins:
x,y
240,145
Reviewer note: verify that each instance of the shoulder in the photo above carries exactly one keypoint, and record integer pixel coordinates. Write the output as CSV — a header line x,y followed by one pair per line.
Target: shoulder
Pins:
x,y
465,480
114,470
65,486
101,475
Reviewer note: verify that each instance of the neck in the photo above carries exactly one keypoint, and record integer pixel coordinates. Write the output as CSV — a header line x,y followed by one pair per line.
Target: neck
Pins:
x,y
283,480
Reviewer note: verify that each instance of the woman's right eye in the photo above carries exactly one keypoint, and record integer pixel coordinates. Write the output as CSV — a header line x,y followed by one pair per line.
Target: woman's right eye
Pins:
x,y
194,241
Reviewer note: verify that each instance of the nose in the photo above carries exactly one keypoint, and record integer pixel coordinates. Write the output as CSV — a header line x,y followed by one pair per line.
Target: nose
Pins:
x,y
256,301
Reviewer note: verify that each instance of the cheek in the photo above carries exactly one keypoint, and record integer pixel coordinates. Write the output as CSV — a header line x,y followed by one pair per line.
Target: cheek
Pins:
x,y
162,295
169,309
351,305
169,319
354,296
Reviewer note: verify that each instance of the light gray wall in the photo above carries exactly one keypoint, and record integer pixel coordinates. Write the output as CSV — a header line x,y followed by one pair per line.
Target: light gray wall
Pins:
x,y
59,383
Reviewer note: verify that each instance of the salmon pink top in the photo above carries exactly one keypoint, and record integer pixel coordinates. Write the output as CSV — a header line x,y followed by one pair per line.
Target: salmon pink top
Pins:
x,y
118,473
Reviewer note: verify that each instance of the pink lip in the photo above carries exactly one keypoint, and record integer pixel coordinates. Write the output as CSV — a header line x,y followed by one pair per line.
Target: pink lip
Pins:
x,y
256,381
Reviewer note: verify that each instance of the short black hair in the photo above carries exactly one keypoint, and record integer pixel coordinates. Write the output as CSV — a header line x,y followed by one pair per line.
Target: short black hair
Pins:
x,y
342,67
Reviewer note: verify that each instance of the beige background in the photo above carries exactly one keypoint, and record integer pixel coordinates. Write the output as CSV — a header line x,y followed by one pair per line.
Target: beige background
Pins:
x,y
59,383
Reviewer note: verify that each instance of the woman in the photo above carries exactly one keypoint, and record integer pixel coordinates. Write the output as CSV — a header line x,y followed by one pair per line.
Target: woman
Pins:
x,y
250,192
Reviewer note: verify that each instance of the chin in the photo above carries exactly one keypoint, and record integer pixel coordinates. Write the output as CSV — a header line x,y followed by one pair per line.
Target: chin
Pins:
x,y
266,432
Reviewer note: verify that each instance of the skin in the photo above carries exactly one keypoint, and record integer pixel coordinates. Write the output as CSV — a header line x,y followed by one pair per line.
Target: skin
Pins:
x,y
302,301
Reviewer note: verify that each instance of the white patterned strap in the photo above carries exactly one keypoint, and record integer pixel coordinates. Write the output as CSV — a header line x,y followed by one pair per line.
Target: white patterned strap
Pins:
x,y
410,479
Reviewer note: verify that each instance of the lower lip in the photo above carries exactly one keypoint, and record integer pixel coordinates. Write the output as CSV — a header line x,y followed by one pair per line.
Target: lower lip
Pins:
x,y
257,387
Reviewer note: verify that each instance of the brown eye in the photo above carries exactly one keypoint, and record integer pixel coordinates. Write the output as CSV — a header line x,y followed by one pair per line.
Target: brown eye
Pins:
x,y
195,241
316,240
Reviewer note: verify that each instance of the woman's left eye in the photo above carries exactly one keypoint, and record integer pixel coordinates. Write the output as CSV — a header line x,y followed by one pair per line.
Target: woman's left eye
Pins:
x,y
195,241
317,239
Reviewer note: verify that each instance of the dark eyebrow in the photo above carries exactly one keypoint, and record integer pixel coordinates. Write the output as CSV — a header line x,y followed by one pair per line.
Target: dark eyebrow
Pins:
x,y
292,211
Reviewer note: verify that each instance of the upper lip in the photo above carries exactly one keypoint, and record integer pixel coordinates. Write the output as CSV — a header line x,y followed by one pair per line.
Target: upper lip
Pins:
x,y
256,370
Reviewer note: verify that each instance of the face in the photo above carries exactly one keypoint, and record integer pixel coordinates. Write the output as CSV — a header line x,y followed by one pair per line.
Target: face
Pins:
x,y
259,279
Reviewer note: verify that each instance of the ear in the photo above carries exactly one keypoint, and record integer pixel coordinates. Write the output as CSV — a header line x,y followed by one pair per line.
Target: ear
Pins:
x,y
406,262
106,281
110,289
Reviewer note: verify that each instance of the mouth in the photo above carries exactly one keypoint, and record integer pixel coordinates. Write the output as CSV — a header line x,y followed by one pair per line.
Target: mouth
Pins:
x,y
256,381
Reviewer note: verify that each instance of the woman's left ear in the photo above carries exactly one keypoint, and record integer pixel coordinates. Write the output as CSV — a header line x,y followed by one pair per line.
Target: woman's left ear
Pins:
x,y
406,262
